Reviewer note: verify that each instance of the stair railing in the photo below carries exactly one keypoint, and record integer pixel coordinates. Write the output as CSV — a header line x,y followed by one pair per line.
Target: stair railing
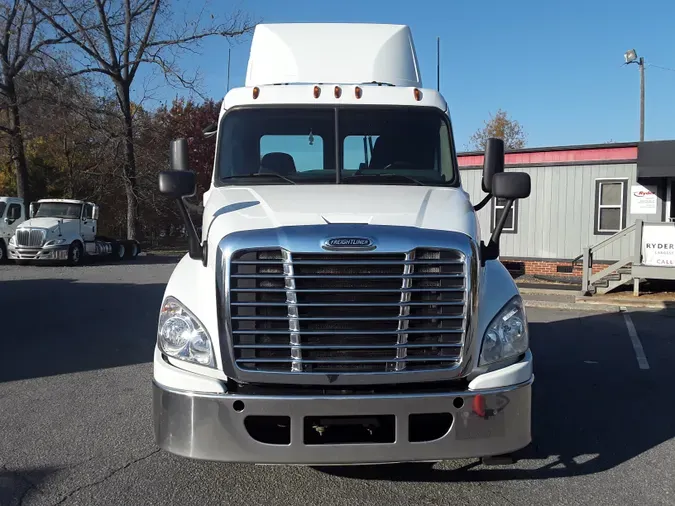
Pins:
x,y
587,276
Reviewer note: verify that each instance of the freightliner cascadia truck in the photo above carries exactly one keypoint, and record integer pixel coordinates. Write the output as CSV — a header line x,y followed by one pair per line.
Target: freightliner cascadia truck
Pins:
x,y
341,304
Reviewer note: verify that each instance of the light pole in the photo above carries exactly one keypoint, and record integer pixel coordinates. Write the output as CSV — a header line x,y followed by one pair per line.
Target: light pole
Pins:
x,y
632,57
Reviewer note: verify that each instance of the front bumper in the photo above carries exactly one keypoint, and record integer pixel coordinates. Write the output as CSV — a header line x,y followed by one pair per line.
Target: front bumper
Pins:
x,y
45,253
210,426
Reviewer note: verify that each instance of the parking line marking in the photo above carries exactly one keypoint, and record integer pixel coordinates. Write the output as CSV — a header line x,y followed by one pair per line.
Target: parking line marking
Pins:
x,y
635,339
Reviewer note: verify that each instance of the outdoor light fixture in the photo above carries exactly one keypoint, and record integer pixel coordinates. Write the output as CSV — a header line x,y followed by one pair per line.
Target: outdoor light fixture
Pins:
x,y
630,56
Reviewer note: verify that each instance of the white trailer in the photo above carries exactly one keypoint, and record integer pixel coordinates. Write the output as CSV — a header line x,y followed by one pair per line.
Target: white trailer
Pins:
x,y
65,230
341,305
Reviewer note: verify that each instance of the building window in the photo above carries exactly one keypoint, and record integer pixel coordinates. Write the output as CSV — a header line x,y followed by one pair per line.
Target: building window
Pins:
x,y
610,206
511,224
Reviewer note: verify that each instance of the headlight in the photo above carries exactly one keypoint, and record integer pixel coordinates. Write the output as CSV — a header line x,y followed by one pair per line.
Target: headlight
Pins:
x,y
12,242
180,335
55,242
507,335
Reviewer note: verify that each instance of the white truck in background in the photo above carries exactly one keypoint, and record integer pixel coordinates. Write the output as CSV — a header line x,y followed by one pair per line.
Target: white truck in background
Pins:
x,y
341,305
12,214
65,230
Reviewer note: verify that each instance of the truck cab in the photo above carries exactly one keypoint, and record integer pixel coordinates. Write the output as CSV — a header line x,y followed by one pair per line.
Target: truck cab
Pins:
x,y
12,214
341,305
64,230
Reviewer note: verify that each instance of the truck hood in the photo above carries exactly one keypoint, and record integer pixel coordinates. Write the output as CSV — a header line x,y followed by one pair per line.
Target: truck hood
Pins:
x,y
231,209
41,223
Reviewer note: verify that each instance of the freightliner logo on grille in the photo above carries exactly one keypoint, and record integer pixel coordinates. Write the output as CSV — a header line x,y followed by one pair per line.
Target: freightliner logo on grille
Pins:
x,y
348,243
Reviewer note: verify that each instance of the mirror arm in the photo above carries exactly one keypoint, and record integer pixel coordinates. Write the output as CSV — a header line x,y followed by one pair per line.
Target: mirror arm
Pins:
x,y
482,203
491,250
194,245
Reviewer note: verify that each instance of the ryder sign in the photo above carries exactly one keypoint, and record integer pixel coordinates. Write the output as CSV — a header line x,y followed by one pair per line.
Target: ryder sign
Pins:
x,y
658,244
642,200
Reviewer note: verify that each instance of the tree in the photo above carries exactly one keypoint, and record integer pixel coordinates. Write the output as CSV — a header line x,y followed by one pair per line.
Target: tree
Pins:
x,y
132,33
502,127
23,41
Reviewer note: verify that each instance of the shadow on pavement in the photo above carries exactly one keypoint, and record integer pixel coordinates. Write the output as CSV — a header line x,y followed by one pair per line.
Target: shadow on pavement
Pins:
x,y
57,326
17,486
141,260
593,408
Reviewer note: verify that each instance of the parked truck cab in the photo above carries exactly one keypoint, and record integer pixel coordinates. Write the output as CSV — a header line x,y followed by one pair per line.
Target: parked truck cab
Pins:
x,y
341,305
12,214
65,230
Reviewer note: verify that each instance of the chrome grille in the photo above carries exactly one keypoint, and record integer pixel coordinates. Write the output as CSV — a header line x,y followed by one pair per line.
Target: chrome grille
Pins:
x,y
31,238
347,313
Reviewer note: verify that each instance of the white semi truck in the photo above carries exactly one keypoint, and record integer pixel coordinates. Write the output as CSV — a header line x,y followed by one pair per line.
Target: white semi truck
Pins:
x,y
65,230
341,305
12,214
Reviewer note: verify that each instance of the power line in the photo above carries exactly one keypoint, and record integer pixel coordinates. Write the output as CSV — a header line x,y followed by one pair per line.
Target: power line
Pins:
x,y
660,67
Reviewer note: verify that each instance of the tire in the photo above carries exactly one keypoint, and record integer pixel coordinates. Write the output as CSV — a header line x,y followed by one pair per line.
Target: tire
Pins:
x,y
132,249
119,250
75,254
3,252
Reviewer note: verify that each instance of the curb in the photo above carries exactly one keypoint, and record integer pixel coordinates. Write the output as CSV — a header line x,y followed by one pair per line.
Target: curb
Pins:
x,y
547,291
581,300
570,306
612,306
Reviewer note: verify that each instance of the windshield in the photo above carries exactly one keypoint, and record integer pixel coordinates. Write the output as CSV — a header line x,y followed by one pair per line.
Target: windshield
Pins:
x,y
58,210
401,145
2,208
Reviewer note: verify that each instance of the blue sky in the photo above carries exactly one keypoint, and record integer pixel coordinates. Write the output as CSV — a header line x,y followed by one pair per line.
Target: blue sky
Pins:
x,y
556,67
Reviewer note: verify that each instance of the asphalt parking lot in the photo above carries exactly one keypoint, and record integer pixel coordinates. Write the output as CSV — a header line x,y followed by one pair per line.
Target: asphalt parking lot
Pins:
x,y
75,371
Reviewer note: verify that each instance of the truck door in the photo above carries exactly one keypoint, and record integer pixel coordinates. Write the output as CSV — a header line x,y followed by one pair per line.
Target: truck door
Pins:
x,y
14,218
88,224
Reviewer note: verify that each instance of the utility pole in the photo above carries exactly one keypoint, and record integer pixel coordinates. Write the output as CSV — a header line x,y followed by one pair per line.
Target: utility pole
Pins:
x,y
228,68
631,57
642,98
438,63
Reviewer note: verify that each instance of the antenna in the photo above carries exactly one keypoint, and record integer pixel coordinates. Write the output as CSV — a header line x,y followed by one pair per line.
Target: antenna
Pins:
x,y
438,64
229,49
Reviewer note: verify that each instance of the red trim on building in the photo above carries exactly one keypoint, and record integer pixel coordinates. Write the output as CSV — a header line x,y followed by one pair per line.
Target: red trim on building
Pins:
x,y
561,157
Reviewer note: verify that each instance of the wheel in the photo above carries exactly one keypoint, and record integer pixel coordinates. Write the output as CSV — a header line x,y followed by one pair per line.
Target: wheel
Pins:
x,y
119,250
132,249
75,253
3,252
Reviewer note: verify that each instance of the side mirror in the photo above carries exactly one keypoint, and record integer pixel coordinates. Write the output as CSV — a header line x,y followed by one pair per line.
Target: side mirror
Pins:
x,y
94,213
493,162
511,185
179,155
31,209
181,182
177,183
210,131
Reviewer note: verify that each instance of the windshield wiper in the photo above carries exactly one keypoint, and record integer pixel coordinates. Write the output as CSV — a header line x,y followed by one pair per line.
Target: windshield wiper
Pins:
x,y
258,174
399,177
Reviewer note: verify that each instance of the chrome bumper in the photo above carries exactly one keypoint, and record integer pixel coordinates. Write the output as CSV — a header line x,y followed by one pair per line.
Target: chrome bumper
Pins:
x,y
48,253
208,427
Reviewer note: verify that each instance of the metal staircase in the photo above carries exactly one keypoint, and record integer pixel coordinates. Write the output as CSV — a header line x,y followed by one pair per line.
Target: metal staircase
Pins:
x,y
614,275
